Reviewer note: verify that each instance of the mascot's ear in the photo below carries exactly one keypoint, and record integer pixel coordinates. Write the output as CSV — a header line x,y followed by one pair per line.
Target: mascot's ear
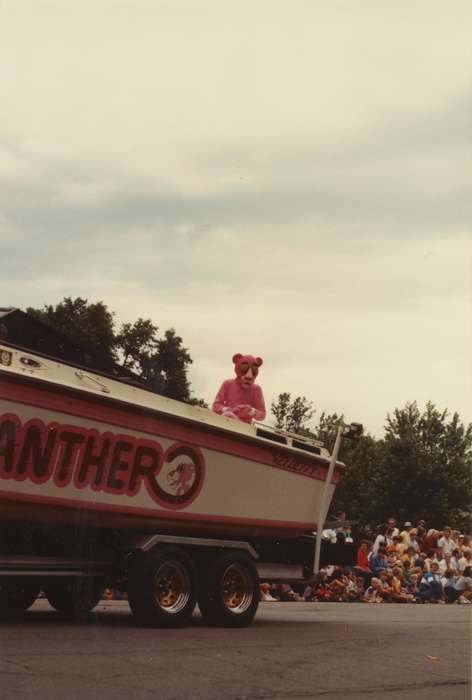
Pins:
x,y
237,357
258,361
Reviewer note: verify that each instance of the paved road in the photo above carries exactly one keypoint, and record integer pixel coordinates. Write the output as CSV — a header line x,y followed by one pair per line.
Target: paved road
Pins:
x,y
292,651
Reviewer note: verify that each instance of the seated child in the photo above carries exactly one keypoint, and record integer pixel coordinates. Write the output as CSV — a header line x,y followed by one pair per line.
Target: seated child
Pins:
x,y
372,593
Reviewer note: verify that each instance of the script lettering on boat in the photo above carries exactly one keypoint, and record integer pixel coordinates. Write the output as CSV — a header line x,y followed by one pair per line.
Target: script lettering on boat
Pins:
x,y
112,463
293,465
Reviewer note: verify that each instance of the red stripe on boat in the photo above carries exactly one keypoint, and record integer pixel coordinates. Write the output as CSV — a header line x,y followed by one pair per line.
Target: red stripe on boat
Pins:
x,y
151,513
151,422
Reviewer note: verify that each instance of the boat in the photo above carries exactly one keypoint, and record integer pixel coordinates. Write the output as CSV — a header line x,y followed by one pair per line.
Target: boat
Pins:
x,y
81,447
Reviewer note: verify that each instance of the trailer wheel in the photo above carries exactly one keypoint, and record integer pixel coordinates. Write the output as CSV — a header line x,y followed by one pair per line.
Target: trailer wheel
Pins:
x,y
162,588
229,592
74,599
17,596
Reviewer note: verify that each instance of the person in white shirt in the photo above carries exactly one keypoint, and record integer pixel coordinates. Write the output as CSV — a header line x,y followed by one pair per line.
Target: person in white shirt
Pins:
x,y
329,535
456,555
446,542
413,541
392,523
445,564
465,560
464,586
348,539
380,539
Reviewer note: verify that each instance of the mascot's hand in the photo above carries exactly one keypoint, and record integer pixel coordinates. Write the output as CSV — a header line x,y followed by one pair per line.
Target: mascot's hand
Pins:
x,y
228,412
244,409
239,408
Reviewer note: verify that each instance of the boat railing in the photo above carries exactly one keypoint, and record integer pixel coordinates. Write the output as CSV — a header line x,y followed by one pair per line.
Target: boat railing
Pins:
x,y
286,437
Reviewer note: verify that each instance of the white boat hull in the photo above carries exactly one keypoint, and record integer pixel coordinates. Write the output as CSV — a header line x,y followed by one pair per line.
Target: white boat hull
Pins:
x,y
73,455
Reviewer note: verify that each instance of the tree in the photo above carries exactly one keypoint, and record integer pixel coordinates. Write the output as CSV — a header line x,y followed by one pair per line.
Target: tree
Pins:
x,y
88,325
420,468
327,428
426,471
292,416
161,362
357,491
166,369
137,341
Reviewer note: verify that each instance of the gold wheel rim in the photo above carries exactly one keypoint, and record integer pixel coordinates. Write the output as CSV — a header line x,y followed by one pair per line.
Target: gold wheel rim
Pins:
x,y
172,587
238,589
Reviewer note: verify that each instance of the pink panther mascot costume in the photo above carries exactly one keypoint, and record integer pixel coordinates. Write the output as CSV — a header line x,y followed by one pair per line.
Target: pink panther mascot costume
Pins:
x,y
241,398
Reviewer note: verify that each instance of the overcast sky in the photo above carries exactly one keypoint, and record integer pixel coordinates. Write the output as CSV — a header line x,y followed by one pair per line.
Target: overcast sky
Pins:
x,y
288,179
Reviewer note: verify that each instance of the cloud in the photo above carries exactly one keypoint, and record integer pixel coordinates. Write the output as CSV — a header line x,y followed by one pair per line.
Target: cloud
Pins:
x,y
401,176
290,182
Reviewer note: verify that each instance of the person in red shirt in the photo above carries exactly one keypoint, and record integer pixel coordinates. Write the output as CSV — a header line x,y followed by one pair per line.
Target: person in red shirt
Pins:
x,y
430,540
362,567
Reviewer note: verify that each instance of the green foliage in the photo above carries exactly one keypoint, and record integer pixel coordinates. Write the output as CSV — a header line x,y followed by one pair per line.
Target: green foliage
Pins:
x,y
427,466
357,492
327,428
136,341
293,415
166,369
88,325
420,468
162,362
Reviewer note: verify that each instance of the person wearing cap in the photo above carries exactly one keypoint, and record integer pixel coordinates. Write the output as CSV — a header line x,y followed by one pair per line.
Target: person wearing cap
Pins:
x,y
405,534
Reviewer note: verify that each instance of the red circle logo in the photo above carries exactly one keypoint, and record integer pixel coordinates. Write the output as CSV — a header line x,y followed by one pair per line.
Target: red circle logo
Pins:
x,y
181,477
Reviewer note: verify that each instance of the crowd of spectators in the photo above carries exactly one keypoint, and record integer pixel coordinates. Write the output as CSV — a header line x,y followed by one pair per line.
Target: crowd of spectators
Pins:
x,y
414,565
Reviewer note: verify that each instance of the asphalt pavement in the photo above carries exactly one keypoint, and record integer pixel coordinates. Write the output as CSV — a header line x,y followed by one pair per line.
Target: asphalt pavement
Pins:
x,y
292,651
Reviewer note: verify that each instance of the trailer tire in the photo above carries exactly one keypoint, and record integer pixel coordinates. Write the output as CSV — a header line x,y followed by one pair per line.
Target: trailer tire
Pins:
x,y
75,599
17,596
162,588
229,590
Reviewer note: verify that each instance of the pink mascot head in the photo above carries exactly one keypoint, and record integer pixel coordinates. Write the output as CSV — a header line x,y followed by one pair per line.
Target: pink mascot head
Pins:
x,y
241,397
246,368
